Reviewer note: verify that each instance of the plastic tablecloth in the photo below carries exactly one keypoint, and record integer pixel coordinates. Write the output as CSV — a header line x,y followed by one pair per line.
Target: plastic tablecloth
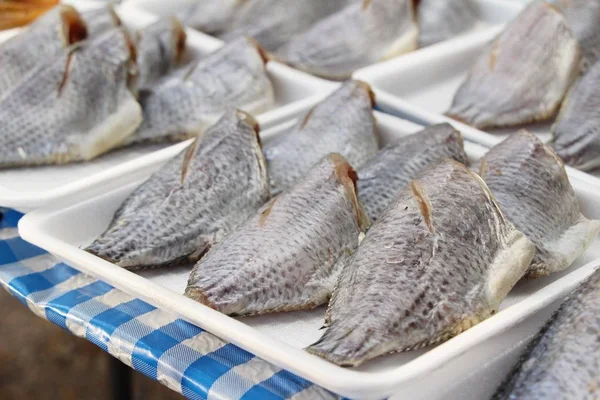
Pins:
x,y
156,343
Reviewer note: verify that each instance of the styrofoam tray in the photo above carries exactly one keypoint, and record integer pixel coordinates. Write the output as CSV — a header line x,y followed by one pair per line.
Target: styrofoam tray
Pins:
x,y
28,188
279,338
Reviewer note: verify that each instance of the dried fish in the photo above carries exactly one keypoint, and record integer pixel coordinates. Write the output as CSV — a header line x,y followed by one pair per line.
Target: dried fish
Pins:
x,y
210,16
442,20
583,17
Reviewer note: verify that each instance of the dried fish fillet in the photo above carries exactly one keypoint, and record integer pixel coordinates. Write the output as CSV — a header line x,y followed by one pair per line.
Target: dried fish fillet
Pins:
x,y
73,108
532,187
343,123
183,107
46,38
440,259
523,75
443,20
192,202
577,129
210,16
583,17
383,176
161,47
357,36
564,360
274,22
288,256
100,20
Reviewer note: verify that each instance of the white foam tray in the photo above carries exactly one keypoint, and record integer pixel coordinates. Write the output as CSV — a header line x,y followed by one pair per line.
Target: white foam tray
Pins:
x,y
279,338
25,189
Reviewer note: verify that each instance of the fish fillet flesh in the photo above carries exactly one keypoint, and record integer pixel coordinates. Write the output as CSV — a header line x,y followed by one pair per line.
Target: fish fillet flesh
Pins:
x,y
46,38
192,202
443,20
183,107
577,130
343,123
361,34
440,259
160,48
287,256
383,176
564,360
73,108
210,16
100,20
531,185
523,75
274,22
583,17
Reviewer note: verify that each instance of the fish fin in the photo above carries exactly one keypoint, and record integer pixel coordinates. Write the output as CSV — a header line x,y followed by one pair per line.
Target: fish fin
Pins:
x,y
179,39
424,204
264,54
264,214
74,28
68,68
348,177
190,152
114,15
307,117
366,4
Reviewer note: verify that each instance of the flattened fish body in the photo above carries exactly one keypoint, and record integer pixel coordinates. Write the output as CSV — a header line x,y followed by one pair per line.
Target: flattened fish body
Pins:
x,y
46,38
577,129
564,360
289,255
523,75
73,108
383,176
183,107
343,123
440,259
210,16
357,36
274,22
443,20
583,17
531,185
192,202
100,20
160,48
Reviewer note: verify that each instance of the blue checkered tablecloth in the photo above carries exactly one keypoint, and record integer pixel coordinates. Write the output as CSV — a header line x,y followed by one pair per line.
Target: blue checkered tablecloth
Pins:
x,y
160,345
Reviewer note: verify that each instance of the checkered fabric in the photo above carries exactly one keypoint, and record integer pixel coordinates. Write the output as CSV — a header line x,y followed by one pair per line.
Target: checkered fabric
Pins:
x,y
158,344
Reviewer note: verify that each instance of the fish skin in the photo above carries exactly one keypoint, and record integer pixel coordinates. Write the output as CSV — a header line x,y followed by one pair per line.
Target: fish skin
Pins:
x,y
183,107
440,259
273,23
74,108
44,39
192,202
383,176
583,17
342,123
531,185
576,132
355,37
210,16
309,231
564,360
100,20
501,92
160,48
443,20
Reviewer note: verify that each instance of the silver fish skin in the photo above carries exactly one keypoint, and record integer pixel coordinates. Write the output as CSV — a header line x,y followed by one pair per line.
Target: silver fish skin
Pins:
x,y
440,259
192,202
583,17
359,35
564,360
383,176
180,108
100,20
342,123
576,132
287,256
273,23
49,36
523,75
210,16
443,20
73,108
531,185
160,48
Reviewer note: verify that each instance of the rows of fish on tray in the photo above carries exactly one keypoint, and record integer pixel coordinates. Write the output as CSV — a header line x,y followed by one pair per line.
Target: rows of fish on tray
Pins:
x,y
76,85
546,60
332,38
287,225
